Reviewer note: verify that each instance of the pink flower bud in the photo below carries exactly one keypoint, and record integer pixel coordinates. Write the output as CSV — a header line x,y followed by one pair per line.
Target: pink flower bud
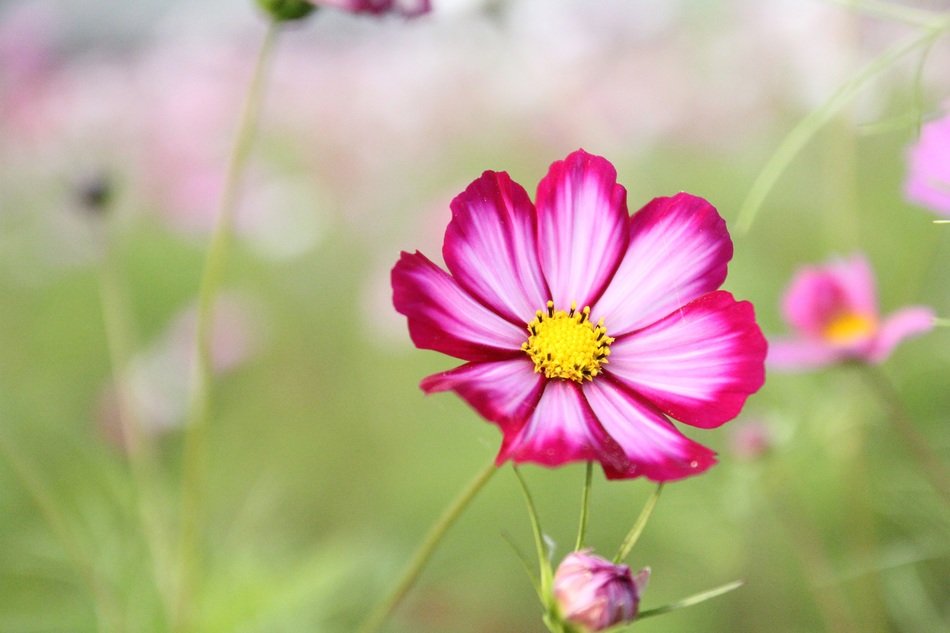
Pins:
x,y
595,594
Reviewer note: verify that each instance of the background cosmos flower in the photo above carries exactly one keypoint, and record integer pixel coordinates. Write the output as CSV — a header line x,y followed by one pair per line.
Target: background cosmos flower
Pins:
x,y
596,594
928,175
408,8
833,310
584,327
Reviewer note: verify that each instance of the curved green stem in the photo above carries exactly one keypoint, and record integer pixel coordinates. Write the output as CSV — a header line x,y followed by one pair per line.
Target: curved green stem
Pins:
x,y
634,534
890,399
142,467
585,508
425,551
200,405
799,136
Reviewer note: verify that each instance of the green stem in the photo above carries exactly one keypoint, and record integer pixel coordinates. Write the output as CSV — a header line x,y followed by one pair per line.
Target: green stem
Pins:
x,y
889,11
105,605
691,600
142,467
200,405
799,136
585,508
634,534
379,615
890,399
544,565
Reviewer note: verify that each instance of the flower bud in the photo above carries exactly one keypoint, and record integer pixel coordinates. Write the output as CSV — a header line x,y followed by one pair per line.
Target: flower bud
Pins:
x,y
286,10
594,594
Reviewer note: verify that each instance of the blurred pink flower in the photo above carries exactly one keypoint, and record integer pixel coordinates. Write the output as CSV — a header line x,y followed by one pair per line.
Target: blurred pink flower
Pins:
x,y
751,440
833,311
408,8
928,168
159,378
540,295
595,594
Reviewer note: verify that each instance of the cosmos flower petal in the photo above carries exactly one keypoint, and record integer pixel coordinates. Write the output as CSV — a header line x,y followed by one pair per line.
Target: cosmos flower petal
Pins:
x,y
561,429
491,246
698,364
928,177
504,392
679,250
902,324
800,354
445,318
818,294
582,227
654,447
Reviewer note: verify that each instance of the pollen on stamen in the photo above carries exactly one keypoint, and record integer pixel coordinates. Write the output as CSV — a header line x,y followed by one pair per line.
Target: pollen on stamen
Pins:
x,y
567,345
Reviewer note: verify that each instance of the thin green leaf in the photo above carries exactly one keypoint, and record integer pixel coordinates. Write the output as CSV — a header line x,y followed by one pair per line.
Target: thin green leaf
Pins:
x,y
690,601
524,563
545,573
634,534
799,136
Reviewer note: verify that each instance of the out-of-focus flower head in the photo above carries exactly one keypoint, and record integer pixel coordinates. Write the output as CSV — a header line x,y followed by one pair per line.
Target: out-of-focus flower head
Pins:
x,y
928,167
408,8
284,10
159,378
594,594
833,311
752,440
584,327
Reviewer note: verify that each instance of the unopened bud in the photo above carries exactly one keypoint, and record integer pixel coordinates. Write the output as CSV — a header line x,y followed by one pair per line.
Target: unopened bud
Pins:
x,y
595,594
287,10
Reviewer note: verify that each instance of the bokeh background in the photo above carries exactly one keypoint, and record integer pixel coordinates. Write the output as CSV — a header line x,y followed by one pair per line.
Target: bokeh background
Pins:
x,y
325,462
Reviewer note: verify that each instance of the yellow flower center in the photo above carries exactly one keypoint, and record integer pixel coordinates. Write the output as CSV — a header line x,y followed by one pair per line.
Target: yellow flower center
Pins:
x,y
849,328
567,344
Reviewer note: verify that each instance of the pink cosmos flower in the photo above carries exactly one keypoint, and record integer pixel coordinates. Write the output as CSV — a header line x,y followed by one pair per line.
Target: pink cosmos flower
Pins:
x,y
595,594
583,327
407,8
928,177
833,311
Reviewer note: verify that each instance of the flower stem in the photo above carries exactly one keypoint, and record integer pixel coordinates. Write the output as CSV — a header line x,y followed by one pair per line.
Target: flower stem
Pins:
x,y
890,399
799,136
142,467
200,405
585,508
418,562
634,534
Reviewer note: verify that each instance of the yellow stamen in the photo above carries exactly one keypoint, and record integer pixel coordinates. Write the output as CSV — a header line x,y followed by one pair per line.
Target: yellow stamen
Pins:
x,y
849,328
567,344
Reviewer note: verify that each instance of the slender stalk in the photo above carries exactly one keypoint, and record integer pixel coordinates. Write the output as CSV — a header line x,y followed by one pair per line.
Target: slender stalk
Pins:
x,y
890,11
691,600
418,562
634,534
585,508
544,565
799,136
200,405
142,467
890,399
105,605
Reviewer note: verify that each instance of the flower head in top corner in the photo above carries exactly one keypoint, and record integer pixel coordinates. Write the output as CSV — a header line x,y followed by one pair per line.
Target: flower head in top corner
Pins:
x,y
288,10
406,8
594,594
833,311
928,167
584,327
